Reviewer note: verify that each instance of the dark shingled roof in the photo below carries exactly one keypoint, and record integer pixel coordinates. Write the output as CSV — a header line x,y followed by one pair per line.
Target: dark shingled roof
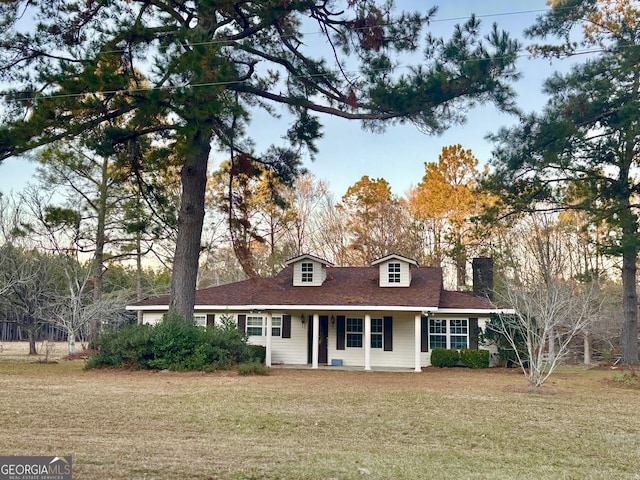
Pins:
x,y
463,300
344,286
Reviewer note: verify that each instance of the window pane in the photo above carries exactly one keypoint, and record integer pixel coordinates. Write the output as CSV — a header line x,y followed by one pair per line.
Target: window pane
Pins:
x,y
458,327
376,325
394,273
354,332
459,343
354,340
376,340
276,326
354,325
437,341
437,326
307,272
255,326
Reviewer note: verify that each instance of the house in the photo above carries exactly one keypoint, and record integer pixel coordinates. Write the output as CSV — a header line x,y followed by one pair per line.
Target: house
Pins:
x,y
390,314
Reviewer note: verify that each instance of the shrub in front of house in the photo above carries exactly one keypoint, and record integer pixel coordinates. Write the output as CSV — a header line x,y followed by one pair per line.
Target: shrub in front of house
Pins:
x,y
475,358
252,368
257,353
172,344
442,357
129,347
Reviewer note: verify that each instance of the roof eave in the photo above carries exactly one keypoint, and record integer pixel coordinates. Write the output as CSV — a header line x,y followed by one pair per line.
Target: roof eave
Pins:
x,y
423,309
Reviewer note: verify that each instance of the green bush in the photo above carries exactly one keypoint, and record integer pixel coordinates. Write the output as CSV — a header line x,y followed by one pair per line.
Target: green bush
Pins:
x,y
173,344
257,353
252,368
441,357
227,337
173,341
128,347
475,358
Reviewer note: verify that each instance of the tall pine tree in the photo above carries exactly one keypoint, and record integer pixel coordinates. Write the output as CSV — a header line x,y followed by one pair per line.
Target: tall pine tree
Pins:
x,y
582,151
204,66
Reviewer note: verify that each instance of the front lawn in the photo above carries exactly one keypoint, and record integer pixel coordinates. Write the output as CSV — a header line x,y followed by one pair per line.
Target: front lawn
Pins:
x,y
303,424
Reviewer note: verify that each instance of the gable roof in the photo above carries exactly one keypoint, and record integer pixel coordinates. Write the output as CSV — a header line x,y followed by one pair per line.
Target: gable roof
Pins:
x,y
345,288
395,256
306,256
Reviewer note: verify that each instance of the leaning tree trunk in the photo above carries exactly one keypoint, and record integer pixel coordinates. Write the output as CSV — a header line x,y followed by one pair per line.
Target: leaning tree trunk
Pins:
x,y
629,340
190,219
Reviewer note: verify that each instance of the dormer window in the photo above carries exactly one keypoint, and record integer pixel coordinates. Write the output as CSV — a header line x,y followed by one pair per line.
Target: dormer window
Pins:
x,y
307,272
394,273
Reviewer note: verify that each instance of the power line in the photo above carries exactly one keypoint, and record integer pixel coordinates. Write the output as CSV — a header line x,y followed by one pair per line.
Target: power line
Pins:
x,y
319,32
310,76
231,82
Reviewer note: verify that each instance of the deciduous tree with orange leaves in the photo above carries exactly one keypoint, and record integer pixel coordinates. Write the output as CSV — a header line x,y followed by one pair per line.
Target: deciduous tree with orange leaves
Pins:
x,y
446,204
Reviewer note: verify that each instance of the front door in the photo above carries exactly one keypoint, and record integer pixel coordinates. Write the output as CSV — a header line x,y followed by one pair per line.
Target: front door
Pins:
x,y
323,340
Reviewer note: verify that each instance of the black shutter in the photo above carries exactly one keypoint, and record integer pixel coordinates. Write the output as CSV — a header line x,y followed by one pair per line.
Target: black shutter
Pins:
x,y
211,319
424,334
388,334
340,332
286,326
242,323
473,333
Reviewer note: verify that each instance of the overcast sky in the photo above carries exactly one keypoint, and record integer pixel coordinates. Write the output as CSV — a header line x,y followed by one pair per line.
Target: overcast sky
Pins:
x,y
346,153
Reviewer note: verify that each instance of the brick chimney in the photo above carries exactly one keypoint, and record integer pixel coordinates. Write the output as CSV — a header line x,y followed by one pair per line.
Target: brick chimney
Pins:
x,y
483,277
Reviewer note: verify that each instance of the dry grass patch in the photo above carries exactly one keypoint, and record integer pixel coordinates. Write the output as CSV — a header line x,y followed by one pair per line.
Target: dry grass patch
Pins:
x,y
303,424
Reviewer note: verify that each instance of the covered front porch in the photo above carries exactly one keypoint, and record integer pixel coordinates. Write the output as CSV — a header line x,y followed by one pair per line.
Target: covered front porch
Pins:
x,y
356,340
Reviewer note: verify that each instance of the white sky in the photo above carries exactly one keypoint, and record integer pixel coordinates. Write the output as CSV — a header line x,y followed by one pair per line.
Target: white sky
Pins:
x,y
346,153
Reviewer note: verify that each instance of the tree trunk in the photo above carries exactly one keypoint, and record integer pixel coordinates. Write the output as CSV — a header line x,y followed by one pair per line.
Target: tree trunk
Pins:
x,y
629,340
190,219
587,348
461,268
139,274
71,341
32,343
98,259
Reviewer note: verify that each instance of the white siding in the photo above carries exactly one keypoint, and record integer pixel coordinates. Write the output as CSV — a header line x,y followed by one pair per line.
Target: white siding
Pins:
x,y
291,351
405,274
152,317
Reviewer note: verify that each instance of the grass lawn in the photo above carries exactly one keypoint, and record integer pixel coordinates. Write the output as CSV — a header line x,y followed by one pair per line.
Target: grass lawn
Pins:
x,y
303,424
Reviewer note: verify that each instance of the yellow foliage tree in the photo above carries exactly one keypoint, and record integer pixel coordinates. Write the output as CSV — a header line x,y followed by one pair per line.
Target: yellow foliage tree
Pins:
x,y
445,203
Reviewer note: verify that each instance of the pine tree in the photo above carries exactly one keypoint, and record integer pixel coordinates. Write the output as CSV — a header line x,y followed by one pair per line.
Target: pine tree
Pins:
x,y
202,67
582,151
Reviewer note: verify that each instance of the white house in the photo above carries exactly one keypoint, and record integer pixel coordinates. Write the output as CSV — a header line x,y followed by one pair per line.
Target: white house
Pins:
x,y
391,314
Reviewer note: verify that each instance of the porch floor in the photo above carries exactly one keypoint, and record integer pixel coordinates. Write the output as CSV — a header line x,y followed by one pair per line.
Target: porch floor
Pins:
x,y
346,368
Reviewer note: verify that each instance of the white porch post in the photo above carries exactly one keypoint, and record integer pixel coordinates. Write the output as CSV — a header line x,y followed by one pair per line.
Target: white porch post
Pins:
x,y
316,340
367,342
267,359
417,340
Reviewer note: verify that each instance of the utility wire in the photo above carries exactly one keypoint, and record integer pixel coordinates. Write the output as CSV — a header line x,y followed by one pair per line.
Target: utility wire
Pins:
x,y
33,95
310,76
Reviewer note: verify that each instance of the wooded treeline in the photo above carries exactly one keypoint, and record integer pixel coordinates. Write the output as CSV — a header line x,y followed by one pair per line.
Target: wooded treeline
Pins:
x,y
442,221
